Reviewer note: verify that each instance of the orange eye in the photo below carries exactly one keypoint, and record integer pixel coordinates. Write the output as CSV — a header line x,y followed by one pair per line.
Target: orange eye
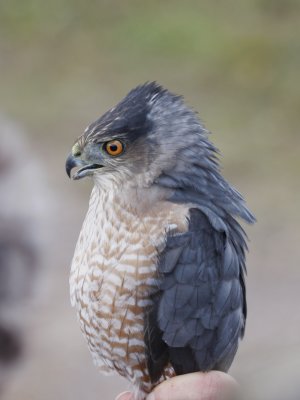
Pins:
x,y
114,147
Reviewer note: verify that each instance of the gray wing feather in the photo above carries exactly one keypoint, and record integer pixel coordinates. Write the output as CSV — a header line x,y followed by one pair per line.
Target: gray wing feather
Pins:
x,y
201,310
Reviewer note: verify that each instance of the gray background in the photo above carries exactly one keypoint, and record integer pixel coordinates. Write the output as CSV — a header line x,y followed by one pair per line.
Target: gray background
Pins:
x,y
63,63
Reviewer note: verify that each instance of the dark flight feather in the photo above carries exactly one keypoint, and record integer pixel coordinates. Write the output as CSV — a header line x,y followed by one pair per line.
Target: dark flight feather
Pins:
x,y
199,313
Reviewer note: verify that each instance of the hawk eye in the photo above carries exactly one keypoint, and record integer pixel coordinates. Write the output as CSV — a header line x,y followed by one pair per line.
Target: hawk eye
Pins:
x,y
114,147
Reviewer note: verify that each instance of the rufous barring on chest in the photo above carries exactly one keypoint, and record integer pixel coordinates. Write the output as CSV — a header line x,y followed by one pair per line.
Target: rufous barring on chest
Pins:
x,y
114,274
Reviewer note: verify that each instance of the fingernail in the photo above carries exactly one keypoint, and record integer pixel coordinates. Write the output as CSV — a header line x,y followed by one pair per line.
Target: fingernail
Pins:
x,y
124,396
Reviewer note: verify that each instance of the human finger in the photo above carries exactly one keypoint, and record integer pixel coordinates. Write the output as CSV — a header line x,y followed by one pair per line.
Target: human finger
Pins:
x,y
214,385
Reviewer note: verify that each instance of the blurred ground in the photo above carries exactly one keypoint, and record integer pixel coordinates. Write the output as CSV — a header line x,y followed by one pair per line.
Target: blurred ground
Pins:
x,y
63,63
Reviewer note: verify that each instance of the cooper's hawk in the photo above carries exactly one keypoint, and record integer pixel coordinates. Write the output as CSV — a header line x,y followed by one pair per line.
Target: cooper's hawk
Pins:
x,y
157,276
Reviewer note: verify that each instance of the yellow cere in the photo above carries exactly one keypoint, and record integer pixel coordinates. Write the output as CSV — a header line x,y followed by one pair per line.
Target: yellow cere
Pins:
x,y
76,150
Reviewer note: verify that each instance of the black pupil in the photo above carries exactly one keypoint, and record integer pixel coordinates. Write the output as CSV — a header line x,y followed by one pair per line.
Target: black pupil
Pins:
x,y
113,148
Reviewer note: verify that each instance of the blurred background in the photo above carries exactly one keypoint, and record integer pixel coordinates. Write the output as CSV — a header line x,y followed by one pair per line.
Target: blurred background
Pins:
x,y
62,64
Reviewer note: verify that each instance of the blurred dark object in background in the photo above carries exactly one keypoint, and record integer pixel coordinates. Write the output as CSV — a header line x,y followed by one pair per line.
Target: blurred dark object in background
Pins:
x,y
10,345
18,261
18,245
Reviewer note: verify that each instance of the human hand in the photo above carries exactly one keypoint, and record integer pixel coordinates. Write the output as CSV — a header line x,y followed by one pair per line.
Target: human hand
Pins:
x,y
213,385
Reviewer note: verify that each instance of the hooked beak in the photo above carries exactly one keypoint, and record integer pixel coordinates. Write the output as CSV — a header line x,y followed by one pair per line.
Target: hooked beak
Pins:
x,y
87,169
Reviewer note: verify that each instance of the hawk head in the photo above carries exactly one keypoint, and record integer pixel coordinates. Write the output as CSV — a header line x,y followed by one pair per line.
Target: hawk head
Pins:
x,y
151,130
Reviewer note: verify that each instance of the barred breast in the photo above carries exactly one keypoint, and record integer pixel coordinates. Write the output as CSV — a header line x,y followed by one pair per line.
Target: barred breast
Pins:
x,y
114,273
